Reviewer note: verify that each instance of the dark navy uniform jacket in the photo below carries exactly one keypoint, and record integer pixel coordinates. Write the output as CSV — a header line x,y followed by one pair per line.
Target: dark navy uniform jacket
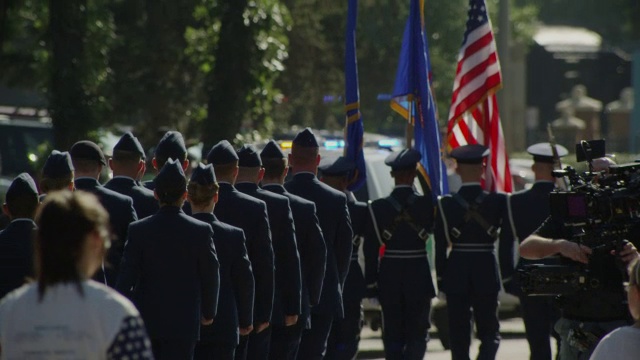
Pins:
x,y
144,202
287,260
121,214
404,243
16,254
235,304
471,265
355,285
311,247
170,272
250,214
527,210
331,207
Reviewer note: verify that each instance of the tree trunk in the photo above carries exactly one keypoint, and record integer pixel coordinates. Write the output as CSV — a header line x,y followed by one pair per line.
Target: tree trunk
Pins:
x,y
231,80
69,103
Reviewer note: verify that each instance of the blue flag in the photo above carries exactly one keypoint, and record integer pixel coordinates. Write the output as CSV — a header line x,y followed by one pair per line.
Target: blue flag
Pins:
x,y
413,99
354,129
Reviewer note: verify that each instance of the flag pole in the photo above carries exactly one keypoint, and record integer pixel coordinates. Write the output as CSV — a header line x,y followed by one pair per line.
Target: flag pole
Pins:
x,y
409,129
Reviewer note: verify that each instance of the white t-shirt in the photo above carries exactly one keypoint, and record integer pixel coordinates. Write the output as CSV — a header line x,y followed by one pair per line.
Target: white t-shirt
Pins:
x,y
620,344
67,325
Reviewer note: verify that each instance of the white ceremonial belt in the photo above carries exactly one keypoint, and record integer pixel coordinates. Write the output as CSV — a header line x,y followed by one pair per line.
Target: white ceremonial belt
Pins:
x,y
405,254
472,247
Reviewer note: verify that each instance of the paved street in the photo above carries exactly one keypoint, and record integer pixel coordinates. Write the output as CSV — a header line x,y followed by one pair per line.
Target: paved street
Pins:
x,y
512,347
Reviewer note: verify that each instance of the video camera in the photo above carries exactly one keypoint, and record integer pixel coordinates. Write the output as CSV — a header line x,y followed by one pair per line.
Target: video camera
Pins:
x,y
599,209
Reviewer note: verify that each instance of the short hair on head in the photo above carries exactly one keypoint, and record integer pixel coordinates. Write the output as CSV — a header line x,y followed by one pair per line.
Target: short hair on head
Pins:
x,y
59,247
225,170
199,194
160,161
406,172
273,168
23,206
85,165
48,185
305,155
170,195
124,156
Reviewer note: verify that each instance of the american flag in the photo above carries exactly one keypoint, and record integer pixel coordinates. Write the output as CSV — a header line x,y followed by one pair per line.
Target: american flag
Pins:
x,y
474,117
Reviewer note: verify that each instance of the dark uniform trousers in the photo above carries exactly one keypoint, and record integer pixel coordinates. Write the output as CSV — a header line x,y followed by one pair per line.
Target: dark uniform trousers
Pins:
x,y
335,222
527,211
235,305
214,351
469,274
539,315
173,349
288,284
345,333
285,340
314,340
403,219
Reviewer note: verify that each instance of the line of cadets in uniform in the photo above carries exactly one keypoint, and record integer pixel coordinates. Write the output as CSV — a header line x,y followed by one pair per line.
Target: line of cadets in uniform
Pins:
x,y
268,269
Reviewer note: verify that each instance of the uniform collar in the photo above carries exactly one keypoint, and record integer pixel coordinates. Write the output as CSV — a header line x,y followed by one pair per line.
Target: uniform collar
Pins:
x,y
122,177
23,220
471,183
207,217
403,187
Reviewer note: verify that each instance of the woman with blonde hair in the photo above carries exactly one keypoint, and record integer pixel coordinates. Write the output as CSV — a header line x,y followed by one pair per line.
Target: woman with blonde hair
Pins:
x,y
624,343
64,314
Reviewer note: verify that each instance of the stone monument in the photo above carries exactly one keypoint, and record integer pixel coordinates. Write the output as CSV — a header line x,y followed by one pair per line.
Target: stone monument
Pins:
x,y
618,115
585,108
568,129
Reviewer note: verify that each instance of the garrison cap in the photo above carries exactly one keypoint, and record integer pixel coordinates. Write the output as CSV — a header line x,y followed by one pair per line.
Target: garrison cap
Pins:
x,y
87,150
203,174
542,152
337,167
306,138
171,146
58,164
222,153
401,160
170,177
272,151
470,154
21,187
130,143
248,156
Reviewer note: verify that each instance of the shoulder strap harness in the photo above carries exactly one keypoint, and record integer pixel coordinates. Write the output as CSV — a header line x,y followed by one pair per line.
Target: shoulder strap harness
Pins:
x,y
472,213
404,216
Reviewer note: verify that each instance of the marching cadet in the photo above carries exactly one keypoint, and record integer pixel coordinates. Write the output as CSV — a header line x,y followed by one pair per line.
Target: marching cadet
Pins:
x,y
249,214
16,240
469,221
286,303
127,164
331,207
57,173
527,210
285,341
170,146
345,333
402,223
88,161
170,270
235,305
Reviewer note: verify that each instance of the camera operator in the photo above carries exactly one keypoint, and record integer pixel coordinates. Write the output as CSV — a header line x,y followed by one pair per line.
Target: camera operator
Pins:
x,y
587,315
